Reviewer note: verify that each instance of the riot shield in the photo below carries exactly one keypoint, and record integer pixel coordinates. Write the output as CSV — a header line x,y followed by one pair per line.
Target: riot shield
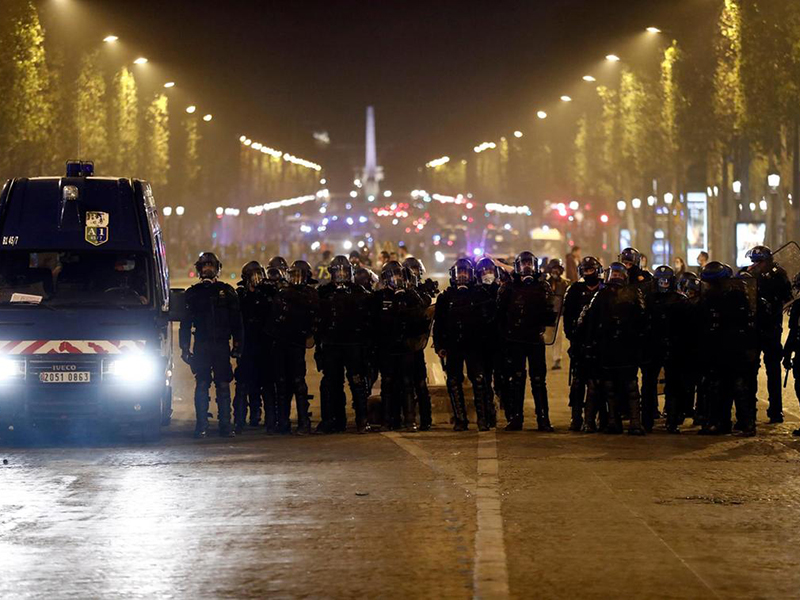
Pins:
x,y
788,257
418,338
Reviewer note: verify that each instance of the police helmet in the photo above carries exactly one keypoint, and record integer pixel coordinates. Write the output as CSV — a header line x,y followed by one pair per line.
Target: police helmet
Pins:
x,y
462,273
364,277
252,268
394,275
689,282
526,264
340,269
617,274
278,262
589,264
208,258
300,273
665,278
759,254
715,271
486,268
630,255
555,264
413,264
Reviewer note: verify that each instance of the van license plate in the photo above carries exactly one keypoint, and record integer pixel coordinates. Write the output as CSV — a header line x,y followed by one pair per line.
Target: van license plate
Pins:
x,y
68,377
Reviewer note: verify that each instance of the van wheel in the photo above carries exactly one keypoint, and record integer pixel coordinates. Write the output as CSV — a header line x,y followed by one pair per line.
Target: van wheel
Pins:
x,y
151,429
166,408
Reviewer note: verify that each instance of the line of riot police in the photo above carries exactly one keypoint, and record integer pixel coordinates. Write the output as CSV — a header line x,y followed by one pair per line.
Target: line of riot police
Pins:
x,y
704,334
276,313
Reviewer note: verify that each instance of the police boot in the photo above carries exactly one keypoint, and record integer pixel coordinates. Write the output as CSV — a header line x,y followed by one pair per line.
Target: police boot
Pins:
x,y
201,401
240,407
284,412
576,421
360,406
303,418
635,425
479,395
424,402
542,405
456,393
224,409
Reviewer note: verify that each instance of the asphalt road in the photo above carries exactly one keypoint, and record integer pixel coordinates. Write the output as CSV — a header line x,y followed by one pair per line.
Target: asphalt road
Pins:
x,y
437,514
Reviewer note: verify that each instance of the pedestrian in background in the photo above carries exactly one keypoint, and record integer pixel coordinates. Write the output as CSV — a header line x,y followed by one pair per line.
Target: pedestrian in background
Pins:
x,y
571,263
679,268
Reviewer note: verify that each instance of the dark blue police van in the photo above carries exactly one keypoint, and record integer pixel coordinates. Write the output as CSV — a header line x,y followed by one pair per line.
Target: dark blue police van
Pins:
x,y
85,331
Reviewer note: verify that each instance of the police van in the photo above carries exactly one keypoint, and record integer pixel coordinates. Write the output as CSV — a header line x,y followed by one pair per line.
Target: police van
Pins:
x,y
85,329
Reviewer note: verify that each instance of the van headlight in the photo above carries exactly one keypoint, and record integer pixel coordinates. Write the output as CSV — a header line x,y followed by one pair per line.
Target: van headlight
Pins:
x,y
140,368
11,369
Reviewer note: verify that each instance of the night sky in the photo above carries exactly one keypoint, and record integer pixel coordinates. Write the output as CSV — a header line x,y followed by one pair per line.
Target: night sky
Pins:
x,y
443,75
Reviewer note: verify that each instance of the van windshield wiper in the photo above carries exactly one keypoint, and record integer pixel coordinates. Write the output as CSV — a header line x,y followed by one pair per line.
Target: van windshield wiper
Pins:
x,y
47,306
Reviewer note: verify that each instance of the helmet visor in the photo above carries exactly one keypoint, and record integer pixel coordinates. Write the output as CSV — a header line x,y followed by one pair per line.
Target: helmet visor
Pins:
x,y
462,275
274,274
340,274
296,276
526,267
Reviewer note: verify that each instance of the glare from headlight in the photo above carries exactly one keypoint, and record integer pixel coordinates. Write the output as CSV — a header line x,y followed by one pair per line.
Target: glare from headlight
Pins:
x,y
10,369
135,367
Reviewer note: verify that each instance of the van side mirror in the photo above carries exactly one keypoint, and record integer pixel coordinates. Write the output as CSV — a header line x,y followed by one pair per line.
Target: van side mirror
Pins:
x,y
177,304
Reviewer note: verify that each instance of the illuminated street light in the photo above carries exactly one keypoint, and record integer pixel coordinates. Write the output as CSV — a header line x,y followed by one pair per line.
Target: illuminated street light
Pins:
x,y
387,194
612,58
243,138
169,84
541,114
220,210
354,194
110,39
179,211
574,205
191,109
589,78
140,61
636,203
566,98
653,30
517,134
737,187
668,198
167,210
207,118
621,205
651,200
774,180
763,205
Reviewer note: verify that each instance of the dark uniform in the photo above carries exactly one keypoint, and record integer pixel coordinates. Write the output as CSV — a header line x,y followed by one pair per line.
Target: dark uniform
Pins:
x,y
666,314
488,277
792,346
774,290
576,300
250,366
689,356
613,328
524,309
427,289
726,322
345,348
291,324
463,324
213,316
401,320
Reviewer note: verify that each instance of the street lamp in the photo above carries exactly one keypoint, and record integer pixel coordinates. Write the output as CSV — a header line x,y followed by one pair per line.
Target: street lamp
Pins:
x,y
517,134
668,198
589,78
612,58
167,210
636,203
110,39
191,109
566,98
621,205
541,114
179,211
207,118
737,187
169,84
774,180
140,61
653,30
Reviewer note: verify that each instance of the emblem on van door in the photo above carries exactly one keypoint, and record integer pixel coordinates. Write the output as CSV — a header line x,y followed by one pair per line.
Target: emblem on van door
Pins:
x,y
96,227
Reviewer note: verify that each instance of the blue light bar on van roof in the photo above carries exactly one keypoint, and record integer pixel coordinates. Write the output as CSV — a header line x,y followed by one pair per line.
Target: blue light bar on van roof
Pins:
x,y
78,168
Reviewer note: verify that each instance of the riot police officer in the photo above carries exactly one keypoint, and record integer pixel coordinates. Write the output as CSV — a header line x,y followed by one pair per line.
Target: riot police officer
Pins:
x,y
275,281
792,347
213,316
577,298
726,319
689,358
250,365
524,309
487,275
345,347
613,327
559,285
464,316
292,322
774,289
632,259
427,289
402,320
666,314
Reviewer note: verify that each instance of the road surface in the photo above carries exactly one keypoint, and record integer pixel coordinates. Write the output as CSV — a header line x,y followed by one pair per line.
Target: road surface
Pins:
x,y
434,515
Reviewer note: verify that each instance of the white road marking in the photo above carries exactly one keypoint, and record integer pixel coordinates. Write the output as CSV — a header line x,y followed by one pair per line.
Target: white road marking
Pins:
x,y
490,576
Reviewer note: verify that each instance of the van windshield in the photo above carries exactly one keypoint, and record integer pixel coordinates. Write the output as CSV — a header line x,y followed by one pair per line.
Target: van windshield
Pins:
x,y
75,279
